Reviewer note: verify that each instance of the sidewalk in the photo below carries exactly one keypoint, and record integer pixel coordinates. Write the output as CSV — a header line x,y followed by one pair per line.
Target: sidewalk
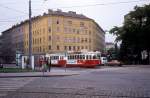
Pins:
x,y
53,73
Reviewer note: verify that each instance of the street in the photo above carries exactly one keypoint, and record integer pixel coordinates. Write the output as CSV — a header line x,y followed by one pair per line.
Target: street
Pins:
x,y
109,82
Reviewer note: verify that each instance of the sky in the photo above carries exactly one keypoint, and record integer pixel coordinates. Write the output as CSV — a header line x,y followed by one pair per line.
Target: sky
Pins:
x,y
107,13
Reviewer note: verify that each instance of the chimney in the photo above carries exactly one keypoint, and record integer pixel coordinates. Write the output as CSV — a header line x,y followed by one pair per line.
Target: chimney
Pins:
x,y
59,10
50,11
72,12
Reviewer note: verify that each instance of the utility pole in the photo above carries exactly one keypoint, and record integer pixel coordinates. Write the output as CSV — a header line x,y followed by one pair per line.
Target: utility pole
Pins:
x,y
30,35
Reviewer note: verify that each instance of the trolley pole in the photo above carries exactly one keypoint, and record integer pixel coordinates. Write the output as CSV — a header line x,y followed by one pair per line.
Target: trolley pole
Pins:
x,y
30,35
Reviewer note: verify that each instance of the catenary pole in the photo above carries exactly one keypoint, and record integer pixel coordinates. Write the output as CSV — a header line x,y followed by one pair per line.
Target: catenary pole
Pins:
x,y
30,35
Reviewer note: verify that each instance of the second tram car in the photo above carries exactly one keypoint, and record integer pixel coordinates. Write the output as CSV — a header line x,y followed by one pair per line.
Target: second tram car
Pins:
x,y
82,59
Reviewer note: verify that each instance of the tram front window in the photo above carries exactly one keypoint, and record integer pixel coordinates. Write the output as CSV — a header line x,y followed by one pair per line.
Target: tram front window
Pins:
x,y
98,56
94,57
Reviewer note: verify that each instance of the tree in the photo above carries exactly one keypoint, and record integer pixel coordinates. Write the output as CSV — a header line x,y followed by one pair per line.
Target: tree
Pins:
x,y
134,34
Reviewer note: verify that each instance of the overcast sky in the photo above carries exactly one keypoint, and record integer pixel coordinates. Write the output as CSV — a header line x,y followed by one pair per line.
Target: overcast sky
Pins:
x,y
107,13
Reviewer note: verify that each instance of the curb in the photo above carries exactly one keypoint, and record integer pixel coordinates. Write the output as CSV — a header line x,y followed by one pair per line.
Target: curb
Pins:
x,y
51,75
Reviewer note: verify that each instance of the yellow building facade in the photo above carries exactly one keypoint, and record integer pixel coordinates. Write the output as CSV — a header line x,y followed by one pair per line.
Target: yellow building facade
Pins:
x,y
59,31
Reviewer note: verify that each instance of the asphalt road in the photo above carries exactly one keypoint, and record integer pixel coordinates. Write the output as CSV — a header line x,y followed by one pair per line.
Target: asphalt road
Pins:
x,y
116,82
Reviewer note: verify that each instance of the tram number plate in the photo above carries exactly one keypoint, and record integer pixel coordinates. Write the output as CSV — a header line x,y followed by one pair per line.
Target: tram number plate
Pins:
x,y
54,61
72,62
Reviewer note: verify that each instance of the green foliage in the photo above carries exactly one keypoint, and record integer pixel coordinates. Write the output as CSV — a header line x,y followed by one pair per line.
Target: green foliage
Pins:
x,y
14,70
134,34
113,53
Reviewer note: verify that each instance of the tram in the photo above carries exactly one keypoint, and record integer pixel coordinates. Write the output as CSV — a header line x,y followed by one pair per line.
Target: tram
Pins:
x,y
75,59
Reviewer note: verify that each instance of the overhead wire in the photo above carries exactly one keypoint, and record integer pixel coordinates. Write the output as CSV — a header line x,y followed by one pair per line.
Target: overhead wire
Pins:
x,y
12,9
109,3
7,21
98,4
13,18
105,4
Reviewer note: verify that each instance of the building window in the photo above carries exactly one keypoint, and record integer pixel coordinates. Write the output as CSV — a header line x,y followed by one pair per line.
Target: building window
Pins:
x,y
40,40
57,22
82,40
81,24
49,38
49,29
49,47
86,47
78,32
70,22
69,48
85,39
58,47
65,47
33,33
89,32
40,49
82,47
38,32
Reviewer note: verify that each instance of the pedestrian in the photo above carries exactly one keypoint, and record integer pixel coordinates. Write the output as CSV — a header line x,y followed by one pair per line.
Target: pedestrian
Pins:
x,y
40,61
49,64
44,66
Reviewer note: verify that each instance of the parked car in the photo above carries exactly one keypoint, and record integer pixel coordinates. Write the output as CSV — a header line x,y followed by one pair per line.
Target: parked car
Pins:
x,y
103,60
114,63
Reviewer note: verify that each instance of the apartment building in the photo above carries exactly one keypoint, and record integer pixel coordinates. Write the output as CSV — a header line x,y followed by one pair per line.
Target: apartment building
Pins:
x,y
56,31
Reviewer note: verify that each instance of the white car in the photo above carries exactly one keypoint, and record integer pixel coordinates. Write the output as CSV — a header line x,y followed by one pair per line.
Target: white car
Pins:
x,y
114,63
103,60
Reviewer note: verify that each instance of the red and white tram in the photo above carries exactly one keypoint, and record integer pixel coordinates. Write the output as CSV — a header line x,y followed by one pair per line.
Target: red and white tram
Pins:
x,y
82,59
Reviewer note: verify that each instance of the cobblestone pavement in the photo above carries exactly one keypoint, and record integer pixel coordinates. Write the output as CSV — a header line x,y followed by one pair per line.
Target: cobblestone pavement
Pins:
x,y
8,85
116,82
